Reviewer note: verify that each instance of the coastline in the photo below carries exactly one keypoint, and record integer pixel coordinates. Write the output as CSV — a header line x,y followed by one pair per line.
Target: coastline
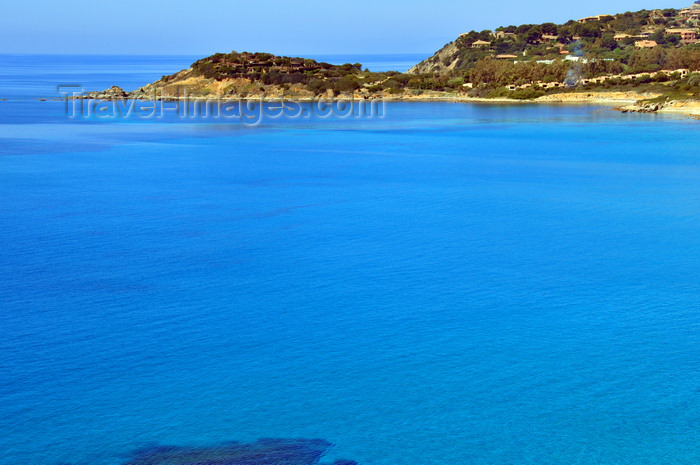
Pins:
x,y
623,101
617,101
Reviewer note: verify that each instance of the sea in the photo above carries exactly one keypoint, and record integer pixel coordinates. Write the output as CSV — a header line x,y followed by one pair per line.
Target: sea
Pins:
x,y
438,284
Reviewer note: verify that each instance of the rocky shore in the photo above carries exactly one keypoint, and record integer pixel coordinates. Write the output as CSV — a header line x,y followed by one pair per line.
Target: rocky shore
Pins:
x,y
266,77
682,107
114,92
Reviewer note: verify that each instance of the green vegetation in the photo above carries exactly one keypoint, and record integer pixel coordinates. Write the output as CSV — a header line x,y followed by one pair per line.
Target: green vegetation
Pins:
x,y
571,53
642,51
318,78
600,37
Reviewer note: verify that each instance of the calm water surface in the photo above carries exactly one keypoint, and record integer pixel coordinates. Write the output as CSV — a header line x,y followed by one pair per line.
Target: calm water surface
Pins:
x,y
451,284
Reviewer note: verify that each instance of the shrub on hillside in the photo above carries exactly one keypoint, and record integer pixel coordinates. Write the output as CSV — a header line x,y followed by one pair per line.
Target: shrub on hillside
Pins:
x,y
694,80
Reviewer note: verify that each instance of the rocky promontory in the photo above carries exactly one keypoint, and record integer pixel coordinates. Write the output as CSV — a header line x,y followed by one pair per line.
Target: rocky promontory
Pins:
x,y
114,92
263,75
664,106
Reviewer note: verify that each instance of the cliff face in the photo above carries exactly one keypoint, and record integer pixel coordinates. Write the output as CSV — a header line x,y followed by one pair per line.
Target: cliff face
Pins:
x,y
443,61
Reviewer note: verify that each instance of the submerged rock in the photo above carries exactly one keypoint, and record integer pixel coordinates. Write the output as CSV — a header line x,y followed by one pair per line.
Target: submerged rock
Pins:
x,y
261,452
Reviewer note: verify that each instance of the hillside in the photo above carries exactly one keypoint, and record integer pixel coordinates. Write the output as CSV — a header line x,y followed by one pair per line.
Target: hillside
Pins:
x,y
263,75
643,53
615,38
251,74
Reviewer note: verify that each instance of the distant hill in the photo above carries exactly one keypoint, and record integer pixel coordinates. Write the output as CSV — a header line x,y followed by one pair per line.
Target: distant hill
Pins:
x,y
649,52
249,74
606,37
264,75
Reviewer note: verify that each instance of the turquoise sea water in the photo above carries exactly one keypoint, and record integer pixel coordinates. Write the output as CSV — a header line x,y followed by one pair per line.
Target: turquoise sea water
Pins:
x,y
450,284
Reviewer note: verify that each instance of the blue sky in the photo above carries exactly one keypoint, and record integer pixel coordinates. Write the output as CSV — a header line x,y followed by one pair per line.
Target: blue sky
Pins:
x,y
278,26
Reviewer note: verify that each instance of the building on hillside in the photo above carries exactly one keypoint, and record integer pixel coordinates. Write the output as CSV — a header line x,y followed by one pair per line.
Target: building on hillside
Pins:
x,y
588,19
503,35
645,44
480,43
688,36
619,37
549,37
505,56
693,12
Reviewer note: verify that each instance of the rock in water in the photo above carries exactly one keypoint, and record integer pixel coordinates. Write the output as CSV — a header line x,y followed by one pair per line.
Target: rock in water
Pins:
x,y
114,92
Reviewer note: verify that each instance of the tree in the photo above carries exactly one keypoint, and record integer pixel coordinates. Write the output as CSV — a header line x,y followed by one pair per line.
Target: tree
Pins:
x,y
524,28
694,80
565,35
503,46
658,36
485,35
550,28
646,60
484,71
345,84
673,39
533,35
590,30
608,41
681,58
669,12
317,86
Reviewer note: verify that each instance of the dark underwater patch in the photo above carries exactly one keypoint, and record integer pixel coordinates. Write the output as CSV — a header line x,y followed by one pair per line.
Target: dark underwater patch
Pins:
x,y
260,452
